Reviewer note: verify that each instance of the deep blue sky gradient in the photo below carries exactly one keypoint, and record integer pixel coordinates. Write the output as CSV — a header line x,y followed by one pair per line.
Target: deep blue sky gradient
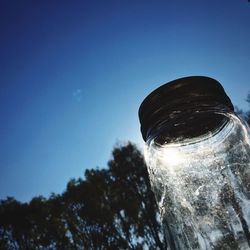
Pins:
x,y
73,74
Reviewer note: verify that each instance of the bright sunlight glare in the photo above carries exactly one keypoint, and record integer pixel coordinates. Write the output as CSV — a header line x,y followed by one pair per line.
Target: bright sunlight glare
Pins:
x,y
171,156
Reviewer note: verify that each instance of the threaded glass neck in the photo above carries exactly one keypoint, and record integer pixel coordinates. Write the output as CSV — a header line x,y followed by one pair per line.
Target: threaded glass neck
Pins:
x,y
183,109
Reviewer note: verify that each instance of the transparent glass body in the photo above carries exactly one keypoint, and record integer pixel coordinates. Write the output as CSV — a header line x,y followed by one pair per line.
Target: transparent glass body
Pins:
x,y
202,184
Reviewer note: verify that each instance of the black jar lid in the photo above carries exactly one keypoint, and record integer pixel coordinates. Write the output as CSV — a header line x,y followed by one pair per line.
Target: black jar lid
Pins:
x,y
180,96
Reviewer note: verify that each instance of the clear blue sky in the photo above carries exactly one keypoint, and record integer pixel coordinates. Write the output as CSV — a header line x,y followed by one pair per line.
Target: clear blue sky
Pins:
x,y
73,74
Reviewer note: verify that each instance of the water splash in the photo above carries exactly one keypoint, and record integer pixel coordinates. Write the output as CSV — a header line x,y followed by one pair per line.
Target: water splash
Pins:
x,y
203,189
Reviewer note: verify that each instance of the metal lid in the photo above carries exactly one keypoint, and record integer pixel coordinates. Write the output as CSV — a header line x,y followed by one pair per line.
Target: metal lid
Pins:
x,y
180,94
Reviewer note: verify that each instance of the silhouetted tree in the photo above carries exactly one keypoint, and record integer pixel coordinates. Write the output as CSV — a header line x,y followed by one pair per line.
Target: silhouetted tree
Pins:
x,y
112,208
248,112
243,114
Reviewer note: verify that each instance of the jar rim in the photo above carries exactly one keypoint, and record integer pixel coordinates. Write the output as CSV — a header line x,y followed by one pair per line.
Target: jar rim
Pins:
x,y
182,93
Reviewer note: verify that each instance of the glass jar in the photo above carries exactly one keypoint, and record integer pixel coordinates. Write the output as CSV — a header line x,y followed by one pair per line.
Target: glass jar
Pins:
x,y
198,156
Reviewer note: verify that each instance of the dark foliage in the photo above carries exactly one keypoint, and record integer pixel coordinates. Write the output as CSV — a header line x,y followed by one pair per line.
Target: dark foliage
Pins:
x,y
241,113
112,208
248,113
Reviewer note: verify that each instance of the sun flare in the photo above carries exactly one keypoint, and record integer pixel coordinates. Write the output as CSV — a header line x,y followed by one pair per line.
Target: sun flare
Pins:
x,y
171,156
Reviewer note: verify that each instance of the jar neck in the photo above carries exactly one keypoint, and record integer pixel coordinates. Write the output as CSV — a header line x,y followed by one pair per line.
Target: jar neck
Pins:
x,y
185,124
181,93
